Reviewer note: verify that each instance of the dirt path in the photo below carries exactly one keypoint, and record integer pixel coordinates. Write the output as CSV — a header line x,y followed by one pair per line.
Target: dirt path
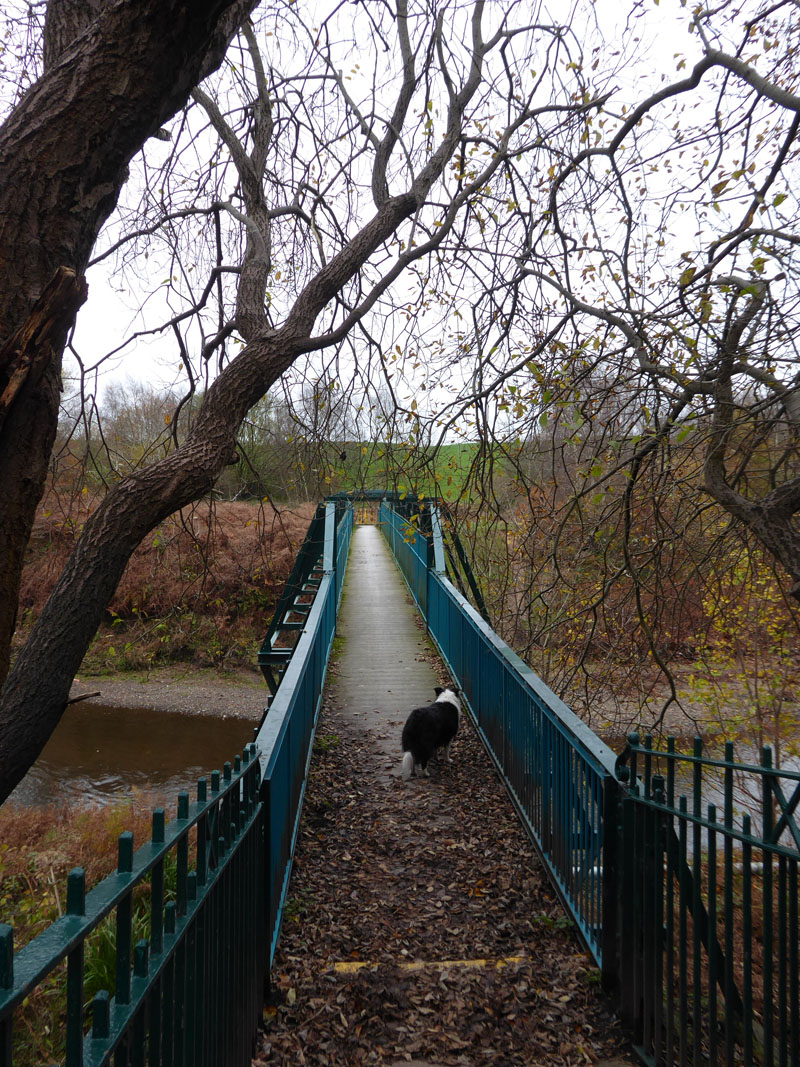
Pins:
x,y
421,881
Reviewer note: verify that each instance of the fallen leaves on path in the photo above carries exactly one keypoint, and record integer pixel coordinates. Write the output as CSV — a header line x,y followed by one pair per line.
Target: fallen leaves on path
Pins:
x,y
436,873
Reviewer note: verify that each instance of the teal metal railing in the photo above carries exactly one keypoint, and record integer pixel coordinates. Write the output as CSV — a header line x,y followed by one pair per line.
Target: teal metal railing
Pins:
x,y
284,740
689,903
708,901
192,992
556,769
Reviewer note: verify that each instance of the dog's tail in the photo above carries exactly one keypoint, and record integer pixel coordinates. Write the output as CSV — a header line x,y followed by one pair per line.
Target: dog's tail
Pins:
x,y
408,766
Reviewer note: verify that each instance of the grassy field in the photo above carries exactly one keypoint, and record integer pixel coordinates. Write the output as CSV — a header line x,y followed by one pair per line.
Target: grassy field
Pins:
x,y
441,472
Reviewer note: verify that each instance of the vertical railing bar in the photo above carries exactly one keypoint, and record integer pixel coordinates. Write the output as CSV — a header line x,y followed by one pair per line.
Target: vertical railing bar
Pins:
x,y
101,1015
610,888
658,926
585,814
794,963
670,772
236,948
767,911
747,946
122,988
76,905
627,932
201,845
179,994
224,958
227,775
190,939
243,917
215,991
648,761
638,914
171,1008
155,1014
203,1005
648,874
683,985
591,860
783,984
669,933
712,936
182,855
157,885
232,941
697,904
730,1030
138,1028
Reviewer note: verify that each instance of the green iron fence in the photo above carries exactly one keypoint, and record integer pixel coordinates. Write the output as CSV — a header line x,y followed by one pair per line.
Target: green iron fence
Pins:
x,y
680,870
708,906
556,769
190,994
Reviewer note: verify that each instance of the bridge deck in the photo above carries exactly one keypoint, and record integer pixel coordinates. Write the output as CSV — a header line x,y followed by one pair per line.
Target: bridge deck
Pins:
x,y
385,666
420,926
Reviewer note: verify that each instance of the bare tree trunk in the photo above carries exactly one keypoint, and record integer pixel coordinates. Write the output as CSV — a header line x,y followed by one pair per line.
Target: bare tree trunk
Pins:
x,y
43,672
115,73
36,690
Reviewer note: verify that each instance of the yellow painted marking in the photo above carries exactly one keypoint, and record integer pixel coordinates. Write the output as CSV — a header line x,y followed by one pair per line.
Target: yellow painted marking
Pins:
x,y
352,966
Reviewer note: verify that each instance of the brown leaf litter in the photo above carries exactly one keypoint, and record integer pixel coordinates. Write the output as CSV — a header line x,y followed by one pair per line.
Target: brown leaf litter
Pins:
x,y
420,925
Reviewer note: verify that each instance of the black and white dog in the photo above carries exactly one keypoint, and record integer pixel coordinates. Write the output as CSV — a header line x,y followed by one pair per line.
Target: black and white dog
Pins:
x,y
428,729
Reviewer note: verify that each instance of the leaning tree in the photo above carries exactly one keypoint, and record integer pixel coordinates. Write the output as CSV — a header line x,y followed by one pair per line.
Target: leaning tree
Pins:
x,y
317,185
449,198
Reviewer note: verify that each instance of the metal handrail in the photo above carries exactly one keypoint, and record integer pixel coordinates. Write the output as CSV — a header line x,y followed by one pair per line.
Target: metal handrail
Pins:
x,y
193,992
227,822
556,770
285,739
652,884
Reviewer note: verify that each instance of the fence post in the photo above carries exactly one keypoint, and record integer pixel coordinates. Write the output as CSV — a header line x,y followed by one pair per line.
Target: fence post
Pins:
x,y
610,903
266,874
329,537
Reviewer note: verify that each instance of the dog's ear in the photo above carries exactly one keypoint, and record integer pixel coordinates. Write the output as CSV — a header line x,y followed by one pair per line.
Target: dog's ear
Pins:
x,y
438,690
455,690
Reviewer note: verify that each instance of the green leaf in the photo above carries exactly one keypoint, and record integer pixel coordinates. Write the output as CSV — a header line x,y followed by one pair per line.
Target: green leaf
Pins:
x,y
687,276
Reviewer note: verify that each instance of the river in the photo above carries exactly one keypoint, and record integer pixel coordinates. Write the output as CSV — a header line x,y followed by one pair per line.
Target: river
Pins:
x,y
101,754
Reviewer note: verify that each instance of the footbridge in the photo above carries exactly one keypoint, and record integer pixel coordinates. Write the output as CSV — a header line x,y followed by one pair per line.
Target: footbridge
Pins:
x,y
677,870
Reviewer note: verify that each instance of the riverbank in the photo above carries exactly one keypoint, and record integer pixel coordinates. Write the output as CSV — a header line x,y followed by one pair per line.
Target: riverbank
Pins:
x,y
184,690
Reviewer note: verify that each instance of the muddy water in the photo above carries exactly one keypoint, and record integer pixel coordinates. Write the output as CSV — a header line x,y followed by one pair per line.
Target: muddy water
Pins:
x,y
102,754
